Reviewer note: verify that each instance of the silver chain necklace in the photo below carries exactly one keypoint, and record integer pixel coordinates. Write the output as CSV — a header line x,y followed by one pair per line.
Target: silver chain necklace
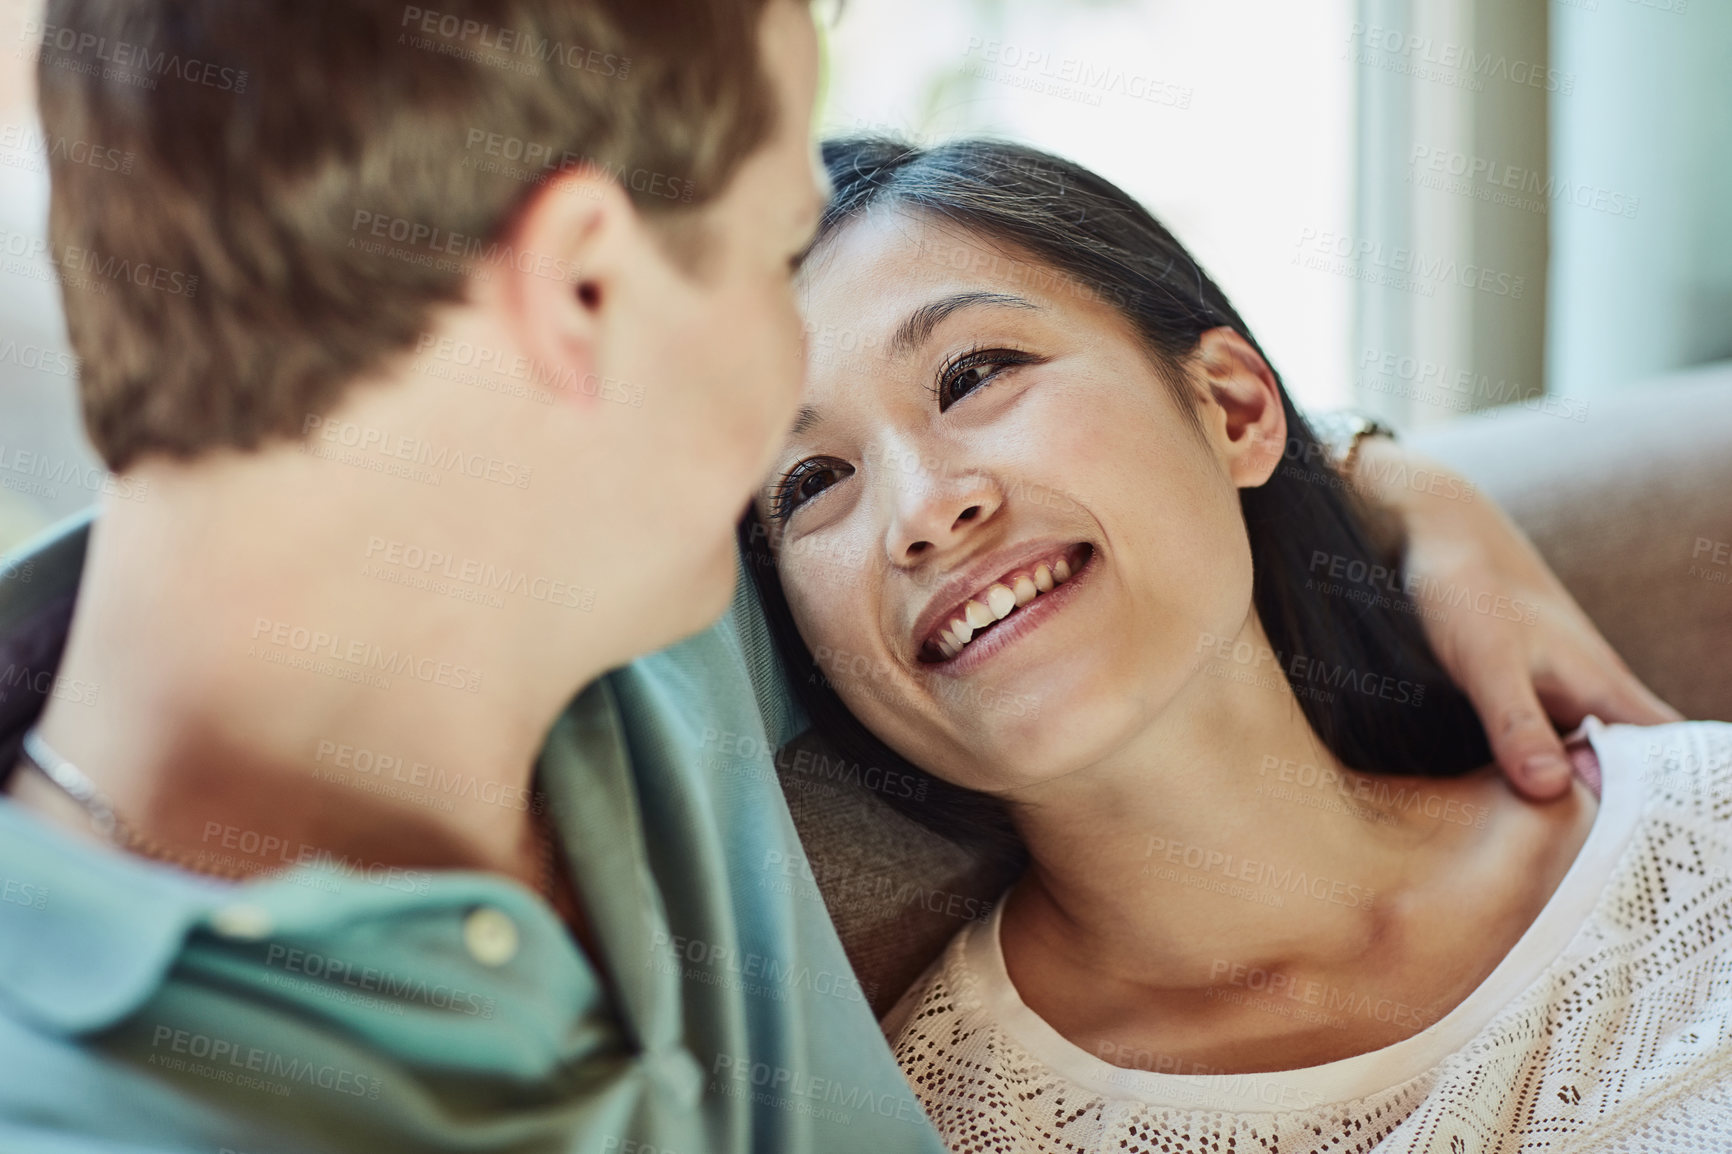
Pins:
x,y
73,782
76,784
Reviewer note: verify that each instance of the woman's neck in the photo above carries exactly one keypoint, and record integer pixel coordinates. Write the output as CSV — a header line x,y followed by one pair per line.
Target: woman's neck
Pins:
x,y
1226,849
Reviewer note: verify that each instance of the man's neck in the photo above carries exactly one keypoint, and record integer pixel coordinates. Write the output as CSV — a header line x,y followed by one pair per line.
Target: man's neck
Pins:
x,y
265,697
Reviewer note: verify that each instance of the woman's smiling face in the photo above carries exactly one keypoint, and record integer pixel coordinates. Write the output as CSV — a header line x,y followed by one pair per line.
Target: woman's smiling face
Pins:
x,y
973,426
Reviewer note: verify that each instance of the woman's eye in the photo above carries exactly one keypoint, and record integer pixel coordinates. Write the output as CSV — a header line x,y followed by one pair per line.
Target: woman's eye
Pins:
x,y
966,382
973,370
805,481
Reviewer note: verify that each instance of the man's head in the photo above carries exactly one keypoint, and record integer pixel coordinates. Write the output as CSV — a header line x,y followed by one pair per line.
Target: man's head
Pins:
x,y
541,245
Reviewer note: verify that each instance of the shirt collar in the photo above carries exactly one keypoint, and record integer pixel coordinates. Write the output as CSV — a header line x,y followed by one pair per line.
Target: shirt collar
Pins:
x,y
88,934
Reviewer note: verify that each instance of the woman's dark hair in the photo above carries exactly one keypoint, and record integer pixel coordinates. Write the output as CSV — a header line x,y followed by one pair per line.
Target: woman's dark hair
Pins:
x,y
1356,657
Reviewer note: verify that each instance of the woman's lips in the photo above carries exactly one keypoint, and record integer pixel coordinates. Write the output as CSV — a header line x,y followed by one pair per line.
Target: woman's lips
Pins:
x,y
1031,606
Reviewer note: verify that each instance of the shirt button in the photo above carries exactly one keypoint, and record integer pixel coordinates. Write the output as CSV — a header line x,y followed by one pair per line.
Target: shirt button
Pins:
x,y
242,921
490,936
678,1072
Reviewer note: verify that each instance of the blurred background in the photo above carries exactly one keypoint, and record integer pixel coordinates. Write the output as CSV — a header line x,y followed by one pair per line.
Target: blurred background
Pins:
x,y
1423,208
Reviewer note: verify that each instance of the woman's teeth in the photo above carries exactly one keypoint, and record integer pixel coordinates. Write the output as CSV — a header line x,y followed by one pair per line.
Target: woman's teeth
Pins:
x,y
1001,601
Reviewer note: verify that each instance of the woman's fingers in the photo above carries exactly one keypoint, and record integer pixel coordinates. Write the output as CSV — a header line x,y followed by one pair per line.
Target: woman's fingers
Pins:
x,y
1534,658
1637,705
1527,748
1601,684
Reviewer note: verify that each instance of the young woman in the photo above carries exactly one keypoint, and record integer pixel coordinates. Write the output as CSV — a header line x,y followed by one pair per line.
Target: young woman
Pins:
x,y
1059,538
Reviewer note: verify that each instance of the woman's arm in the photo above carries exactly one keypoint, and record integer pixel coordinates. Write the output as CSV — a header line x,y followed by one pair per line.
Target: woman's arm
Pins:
x,y
1517,674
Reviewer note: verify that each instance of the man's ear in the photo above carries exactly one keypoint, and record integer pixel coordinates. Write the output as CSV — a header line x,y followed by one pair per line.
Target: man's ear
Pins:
x,y
559,274
1242,409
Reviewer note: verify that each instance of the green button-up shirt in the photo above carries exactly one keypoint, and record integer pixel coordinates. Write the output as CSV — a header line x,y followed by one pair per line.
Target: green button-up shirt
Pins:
x,y
337,1007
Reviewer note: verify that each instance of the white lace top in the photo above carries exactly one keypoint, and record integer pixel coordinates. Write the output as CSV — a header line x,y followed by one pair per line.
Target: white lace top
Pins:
x,y
1608,1027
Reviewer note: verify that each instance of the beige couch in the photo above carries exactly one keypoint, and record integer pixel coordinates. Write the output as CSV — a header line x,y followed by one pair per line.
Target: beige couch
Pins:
x,y
1631,507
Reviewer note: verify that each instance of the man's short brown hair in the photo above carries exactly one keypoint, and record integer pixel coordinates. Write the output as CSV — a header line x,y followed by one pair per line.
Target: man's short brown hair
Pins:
x,y
308,178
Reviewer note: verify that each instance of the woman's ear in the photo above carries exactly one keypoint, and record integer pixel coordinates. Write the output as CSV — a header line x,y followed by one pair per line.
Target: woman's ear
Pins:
x,y
1243,413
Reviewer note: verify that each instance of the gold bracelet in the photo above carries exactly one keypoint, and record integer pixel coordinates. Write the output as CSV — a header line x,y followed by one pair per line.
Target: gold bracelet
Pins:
x,y
1342,431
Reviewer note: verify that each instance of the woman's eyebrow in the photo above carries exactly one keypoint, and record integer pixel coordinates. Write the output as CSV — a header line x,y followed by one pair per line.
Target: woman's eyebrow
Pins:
x,y
913,332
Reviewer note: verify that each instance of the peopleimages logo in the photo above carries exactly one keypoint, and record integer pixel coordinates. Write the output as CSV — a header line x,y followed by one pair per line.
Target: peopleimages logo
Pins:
x,y
488,43
543,160
43,360
1402,268
1278,879
228,1058
132,63
469,571
1388,798
438,460
364,655
1447,61
1431,382
1297,670
37,474
74,263
22,147
1510,184
1070,77
45,683
372,229
361,762
321,968
1330,999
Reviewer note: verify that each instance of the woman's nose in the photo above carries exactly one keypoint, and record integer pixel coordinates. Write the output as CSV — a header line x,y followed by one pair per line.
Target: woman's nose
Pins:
x,y
932,512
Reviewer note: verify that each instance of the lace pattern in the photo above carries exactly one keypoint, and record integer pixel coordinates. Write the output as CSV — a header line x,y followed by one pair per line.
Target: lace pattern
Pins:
x,y
1624,1043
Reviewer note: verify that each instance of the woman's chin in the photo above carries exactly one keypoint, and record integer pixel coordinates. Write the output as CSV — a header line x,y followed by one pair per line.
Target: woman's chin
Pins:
x,y
1027,728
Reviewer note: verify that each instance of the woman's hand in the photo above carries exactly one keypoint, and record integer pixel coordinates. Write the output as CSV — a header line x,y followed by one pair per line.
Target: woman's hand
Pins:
x,y
1539,657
